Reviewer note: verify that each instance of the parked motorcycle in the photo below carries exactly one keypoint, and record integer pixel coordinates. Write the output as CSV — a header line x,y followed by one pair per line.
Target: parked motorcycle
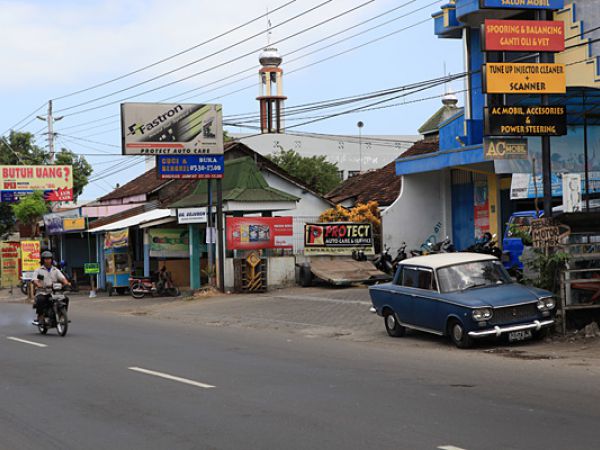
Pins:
x,y
445,246
55,315
383,261
400,256
158,286
62,266
24,285
488,244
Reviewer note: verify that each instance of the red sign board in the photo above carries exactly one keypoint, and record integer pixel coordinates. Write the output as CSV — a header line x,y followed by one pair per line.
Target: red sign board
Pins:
x,y
253,233
524,35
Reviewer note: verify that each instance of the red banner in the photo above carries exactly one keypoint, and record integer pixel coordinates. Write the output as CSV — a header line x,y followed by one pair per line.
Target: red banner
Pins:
x,y
524,35
253,233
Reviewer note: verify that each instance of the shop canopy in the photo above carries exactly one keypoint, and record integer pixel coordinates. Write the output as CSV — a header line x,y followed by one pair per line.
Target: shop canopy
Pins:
x,y
143,220
244,189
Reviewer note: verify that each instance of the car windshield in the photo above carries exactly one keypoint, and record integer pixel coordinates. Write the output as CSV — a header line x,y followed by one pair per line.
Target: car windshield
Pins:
x,y
471,275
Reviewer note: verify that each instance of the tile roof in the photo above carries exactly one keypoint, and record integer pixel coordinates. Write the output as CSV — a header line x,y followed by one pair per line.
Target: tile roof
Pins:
x,y
381,185
144,184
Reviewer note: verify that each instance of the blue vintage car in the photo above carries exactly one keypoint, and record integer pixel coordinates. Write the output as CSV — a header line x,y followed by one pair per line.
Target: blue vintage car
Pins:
x,y
462,295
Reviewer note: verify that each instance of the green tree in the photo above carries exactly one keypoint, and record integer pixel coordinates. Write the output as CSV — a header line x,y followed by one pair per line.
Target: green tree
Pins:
x,y
30,210
81,169
318,173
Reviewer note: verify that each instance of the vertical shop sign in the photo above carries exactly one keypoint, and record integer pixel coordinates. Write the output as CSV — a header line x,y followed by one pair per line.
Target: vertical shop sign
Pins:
x,y
481,208
30,255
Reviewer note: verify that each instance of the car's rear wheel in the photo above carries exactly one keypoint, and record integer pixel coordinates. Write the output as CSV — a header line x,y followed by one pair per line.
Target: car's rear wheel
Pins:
x,y
392,325
458,334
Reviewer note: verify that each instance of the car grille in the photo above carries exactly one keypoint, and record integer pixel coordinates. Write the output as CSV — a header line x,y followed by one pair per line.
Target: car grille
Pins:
x,y
514,313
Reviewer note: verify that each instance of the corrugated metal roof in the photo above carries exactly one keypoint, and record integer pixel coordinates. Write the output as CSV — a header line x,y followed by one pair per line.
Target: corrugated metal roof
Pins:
x,y
139,219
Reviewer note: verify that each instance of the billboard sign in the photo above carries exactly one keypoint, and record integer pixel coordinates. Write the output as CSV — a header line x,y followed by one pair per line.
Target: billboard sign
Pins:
x,y
30,255
522,4
504,148
169,242
338,238
522,185
56,182
524,35
533,120
190,167
254,233
9,264
71,224
524,78
53,224
171,129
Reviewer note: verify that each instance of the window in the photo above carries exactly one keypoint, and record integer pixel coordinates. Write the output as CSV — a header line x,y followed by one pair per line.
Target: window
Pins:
x,y
417,277
353,173
410,277
341,174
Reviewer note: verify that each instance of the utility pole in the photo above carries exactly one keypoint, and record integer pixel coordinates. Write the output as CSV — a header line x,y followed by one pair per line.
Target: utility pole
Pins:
x,y
50,119
360,125
546,57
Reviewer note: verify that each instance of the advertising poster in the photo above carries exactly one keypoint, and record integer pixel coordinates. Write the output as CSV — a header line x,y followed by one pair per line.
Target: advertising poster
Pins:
x,y
534,120
30,255
572,187
9,264
481,208
55,181
169,242
338,238
171,129
254,233
117,238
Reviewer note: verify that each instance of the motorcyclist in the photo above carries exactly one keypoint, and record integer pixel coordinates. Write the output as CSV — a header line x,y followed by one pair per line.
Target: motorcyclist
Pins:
x,y
43,279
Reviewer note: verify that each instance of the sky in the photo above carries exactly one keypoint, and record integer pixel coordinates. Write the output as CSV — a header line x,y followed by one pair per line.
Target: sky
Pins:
x,y
53,49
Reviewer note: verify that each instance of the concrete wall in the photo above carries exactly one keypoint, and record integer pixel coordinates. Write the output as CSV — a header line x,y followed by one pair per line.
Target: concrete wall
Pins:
x,y
281,272
421,213
309,204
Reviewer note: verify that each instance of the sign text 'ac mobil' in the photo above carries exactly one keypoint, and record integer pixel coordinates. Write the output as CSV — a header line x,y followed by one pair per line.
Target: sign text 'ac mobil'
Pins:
x,y
533,120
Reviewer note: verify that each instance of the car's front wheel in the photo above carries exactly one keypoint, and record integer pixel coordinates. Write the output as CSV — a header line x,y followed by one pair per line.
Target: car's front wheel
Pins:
x,y
459,336
392,325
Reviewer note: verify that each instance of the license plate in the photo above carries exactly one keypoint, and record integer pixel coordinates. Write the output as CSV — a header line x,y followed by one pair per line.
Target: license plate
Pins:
x,y
516,336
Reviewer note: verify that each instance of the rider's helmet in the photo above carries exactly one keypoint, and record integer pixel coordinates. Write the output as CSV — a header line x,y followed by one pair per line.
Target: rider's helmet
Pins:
x,y
46,255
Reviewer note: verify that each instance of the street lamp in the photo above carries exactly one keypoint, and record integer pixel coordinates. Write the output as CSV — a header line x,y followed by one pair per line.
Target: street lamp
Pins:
x,y
360,124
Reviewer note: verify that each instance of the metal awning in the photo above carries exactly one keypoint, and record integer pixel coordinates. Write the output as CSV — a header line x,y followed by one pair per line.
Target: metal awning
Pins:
x,y
139,220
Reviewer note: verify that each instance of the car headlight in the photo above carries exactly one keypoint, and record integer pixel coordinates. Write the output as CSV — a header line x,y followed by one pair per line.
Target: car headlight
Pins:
x,y
482,314
546,304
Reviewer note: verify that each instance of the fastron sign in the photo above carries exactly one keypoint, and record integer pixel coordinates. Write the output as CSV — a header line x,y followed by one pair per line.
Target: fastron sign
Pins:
x,y
171,129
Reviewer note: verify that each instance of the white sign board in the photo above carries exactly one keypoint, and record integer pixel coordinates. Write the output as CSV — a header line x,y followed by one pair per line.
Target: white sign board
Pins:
x,y
571,192
171,129
192,215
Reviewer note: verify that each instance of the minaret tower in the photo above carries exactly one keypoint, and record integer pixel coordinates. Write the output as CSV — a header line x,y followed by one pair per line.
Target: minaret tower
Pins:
x,y
271,96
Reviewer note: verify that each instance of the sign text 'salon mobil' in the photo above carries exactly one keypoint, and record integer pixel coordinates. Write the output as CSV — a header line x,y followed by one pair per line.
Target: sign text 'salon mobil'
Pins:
x,y
522,4
338,238
171,129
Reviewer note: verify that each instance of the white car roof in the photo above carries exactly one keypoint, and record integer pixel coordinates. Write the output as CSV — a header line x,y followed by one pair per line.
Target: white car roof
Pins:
x,y
438,260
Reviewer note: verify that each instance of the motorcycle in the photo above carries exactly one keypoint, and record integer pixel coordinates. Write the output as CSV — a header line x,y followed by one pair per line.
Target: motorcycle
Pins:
x,y
161,284
55,315
24,285
400,256
62,266
445,246
383,261
487,245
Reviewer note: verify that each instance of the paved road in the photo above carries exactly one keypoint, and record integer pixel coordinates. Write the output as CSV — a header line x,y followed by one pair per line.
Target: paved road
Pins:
x,y
244,388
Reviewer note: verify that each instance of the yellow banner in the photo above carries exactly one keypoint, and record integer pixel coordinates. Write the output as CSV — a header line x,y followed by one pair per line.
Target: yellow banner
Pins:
x,y
9,264
525,78
36,178
30,255
74,224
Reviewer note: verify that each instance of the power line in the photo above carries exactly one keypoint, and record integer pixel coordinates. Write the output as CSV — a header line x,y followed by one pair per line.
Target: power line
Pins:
x,y
221,64
254,67
24,119
196,61
168,58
